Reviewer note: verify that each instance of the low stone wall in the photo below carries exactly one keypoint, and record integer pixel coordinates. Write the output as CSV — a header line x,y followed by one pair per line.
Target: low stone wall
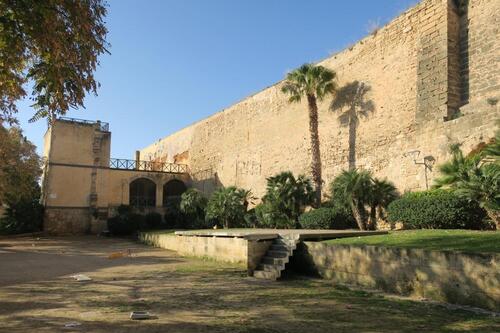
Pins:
x,y
466,279
62,221
229,249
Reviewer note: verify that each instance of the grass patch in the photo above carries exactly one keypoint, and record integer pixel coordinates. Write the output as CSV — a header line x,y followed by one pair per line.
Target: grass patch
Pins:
x,y
440,240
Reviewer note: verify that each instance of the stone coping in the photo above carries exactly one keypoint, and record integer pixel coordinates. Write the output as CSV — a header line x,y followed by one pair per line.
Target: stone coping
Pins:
x,y
262,234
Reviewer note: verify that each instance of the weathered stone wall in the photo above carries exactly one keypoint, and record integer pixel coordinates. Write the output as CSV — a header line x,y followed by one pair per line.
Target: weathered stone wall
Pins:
x,y
442,276
402,84
228,249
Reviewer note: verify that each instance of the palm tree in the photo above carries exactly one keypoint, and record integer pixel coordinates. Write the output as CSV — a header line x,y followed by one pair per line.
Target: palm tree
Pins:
x,y
353,187
314,83
483,186
288,196
381,194
457,169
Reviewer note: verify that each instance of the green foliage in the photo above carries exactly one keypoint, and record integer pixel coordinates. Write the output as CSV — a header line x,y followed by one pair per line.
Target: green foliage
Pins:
x,y
55,44
20,167
20,170
227,207
328,218
193,204
21,217
152,220
284,201
269,217
309,79
475,177
436,209
174,218
125,225
365,195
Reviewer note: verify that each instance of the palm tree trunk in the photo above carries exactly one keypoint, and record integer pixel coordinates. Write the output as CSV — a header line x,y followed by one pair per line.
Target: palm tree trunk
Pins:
x,y
358,216
494,216
316,156
373,218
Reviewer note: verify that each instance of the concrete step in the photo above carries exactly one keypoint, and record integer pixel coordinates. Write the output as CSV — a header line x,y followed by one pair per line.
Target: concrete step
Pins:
x,y
270,268
267,275
278,254
274,261
285,242
280,247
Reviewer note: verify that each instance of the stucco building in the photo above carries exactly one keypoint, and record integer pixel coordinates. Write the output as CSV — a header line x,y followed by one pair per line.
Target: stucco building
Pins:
x,y
427,79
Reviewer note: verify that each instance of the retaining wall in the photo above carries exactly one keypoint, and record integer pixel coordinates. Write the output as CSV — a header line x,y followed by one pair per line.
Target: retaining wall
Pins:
x,y
229,249
466,279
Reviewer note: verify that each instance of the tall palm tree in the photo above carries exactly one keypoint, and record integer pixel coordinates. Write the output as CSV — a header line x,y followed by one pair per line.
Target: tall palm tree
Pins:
x,y
314,83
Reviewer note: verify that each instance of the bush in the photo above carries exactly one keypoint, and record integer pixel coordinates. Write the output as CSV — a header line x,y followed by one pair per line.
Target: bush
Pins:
x,y
227,207
193,205
21,217
127,224
327,218
436,209
173,217
269,217
152,221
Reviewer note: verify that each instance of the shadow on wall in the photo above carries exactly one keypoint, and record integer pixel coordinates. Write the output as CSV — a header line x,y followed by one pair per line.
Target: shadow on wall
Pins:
x,y
351,104
459,278
206,181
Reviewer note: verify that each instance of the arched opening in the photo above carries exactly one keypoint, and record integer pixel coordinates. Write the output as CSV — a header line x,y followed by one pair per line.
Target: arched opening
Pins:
x,y
142,193
172,190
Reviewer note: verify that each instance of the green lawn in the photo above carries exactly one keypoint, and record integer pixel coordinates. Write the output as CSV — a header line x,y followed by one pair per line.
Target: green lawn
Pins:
x,y
445,240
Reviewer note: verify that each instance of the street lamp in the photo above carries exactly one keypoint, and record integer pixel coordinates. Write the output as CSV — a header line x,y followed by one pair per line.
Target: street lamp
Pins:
x,y
428,162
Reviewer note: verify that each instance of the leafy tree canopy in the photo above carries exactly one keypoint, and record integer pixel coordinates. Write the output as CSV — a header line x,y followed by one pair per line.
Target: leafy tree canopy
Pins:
x,y
19,167
54,45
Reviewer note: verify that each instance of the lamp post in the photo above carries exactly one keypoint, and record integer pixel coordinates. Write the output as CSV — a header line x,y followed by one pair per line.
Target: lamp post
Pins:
x,y
428,163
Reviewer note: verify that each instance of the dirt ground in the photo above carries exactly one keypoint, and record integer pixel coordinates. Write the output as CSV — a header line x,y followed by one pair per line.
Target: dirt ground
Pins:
x,y
37,294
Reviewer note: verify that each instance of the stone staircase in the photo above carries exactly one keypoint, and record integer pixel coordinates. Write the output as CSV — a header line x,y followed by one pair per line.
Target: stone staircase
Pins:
x,y
276,257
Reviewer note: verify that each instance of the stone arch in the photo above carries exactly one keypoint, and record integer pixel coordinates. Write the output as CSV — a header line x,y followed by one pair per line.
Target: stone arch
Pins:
x,y
172,190
142,192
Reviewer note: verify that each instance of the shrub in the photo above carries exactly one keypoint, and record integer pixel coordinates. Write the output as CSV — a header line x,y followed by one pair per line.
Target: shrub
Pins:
x,y
269,217
152,220
227,207
193,204
21,217
125,224
436,209
173,217
327,218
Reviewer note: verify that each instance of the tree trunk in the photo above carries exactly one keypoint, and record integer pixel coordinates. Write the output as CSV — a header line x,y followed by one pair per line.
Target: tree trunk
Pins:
x,y
358,216
373,218
316,156
494,216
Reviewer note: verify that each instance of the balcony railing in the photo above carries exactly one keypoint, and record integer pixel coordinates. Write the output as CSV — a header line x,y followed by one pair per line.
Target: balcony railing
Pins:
x,y
104,127
123,164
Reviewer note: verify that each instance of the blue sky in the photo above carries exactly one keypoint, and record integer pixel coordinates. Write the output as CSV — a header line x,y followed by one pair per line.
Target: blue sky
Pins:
x,y
173,63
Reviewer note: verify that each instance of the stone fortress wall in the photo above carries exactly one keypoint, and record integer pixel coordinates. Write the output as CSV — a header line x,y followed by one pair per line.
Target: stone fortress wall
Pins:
x,y
427,79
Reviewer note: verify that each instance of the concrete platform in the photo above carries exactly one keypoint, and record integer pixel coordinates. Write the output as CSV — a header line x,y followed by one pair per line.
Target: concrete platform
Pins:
x,y
263,234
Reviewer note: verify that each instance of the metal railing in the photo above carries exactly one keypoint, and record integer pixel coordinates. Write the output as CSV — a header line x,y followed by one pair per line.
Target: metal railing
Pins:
x,y
103,126
123,164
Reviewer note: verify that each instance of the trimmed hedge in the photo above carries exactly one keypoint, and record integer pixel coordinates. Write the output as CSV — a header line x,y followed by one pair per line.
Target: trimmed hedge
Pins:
x,y
436,209
327,218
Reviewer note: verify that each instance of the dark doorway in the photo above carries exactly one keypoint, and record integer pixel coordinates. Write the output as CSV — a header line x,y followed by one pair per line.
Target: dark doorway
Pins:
x,y
172,190
142,193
